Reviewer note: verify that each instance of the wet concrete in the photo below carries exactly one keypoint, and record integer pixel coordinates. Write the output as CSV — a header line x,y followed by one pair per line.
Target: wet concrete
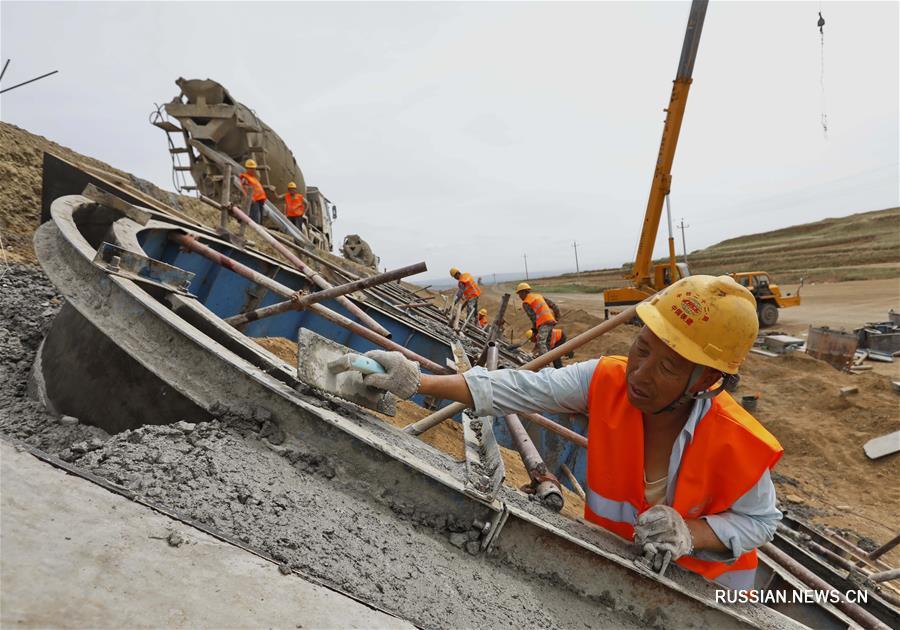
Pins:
x,y
299,506
76,555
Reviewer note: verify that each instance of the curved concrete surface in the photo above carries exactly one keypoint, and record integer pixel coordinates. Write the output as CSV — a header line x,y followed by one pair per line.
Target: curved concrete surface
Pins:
x,y
74,555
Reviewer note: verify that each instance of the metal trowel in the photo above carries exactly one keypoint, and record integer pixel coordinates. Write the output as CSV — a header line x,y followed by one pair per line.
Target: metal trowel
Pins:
x,y
336,369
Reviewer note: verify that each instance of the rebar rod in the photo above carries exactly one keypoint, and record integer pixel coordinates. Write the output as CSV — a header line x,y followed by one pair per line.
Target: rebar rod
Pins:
x,y
192,244
325,294
308,271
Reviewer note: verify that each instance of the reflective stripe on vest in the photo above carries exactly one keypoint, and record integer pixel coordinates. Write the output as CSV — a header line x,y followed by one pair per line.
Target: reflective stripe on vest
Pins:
x,y
470,288
737,580
618,511
293,205
542,313
727,455
252,184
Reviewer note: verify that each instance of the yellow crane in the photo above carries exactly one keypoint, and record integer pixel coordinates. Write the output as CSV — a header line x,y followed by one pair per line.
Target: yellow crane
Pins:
x,y
646,279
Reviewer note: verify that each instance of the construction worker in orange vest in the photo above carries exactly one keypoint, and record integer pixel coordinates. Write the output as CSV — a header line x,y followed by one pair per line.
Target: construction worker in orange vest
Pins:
x,y
253,190
467,290
557,337
542,312
673,462
295,206
482,321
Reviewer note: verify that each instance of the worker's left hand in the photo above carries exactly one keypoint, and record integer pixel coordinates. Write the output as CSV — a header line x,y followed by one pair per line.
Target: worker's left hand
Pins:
x,y
660,530
401,376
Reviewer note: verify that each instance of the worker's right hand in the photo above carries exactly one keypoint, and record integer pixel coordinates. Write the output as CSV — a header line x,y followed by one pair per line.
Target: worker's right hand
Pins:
x,y
401,377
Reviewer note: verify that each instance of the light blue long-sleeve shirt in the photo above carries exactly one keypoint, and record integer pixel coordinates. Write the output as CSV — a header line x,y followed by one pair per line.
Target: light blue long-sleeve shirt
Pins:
x,y
750,522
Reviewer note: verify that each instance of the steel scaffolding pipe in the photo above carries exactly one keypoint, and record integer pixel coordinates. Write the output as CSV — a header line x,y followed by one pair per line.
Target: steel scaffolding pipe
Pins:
x,y
192,244
543,484
856,612
308,271
325,294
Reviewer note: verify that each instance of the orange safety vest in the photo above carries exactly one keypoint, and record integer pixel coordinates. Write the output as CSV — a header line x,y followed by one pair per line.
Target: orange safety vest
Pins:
x,y
293,205
542,313
251,183
470,289
728,454
556,336
482,321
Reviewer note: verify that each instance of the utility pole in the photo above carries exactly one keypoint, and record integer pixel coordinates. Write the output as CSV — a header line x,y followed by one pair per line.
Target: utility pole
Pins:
x,y
495,278
525,257
577,269
682,226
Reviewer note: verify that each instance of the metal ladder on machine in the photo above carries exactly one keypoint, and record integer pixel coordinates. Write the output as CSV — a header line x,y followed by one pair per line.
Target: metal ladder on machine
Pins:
x,y
258,150
160,119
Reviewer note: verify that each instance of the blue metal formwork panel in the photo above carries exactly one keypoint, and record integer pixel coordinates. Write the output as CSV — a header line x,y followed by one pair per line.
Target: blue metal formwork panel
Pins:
x,y
227,293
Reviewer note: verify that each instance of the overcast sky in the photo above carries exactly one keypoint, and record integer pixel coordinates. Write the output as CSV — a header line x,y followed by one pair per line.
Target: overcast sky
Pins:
x,y
469,134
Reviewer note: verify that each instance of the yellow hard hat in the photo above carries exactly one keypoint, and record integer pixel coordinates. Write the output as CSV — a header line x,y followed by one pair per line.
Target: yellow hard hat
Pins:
x,y
291,185
523,286
453,272
528,333
708,320
250,163
482,311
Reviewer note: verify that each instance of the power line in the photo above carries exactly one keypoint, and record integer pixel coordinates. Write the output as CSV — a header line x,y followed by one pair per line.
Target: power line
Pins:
x,y
23,82
682,227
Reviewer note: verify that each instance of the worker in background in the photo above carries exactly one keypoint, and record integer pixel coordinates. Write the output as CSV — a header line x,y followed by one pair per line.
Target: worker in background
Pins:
x,y
482,318
542,312
467,290
673,462
557,338
253,190
295,206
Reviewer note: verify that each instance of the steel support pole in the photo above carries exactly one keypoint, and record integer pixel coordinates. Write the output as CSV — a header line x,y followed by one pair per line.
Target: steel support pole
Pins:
x,y
883,549
558,429
310,273
544,484
192,244
325,294
575,485
856,612
545,359
884,576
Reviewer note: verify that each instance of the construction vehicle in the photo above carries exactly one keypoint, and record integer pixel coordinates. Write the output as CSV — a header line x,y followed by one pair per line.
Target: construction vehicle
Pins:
x,y
646,278
768,295
214,136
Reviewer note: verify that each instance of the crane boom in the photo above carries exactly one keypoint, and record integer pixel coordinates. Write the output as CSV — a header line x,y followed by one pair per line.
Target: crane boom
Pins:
x,y
662,176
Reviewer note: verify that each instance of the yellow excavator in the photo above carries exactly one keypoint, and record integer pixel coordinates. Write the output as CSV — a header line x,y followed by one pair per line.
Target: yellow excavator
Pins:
x,y
645,277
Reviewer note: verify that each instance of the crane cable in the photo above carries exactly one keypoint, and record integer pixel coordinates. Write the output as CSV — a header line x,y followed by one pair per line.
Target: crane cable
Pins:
x,y
821,25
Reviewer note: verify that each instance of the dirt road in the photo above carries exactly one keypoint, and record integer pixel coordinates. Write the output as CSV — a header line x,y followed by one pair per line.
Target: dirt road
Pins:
x,y
836,304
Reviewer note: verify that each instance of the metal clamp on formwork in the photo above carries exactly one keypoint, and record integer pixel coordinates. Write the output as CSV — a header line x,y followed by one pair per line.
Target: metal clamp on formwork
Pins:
x,y
122,262
491,530
484,465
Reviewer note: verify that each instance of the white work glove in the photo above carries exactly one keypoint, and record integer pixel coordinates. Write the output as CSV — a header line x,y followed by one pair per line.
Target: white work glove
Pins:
x,y
401,376
663,536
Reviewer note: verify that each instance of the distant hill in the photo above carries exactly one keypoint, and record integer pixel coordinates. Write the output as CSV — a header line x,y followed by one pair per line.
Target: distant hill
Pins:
x,y
860,246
